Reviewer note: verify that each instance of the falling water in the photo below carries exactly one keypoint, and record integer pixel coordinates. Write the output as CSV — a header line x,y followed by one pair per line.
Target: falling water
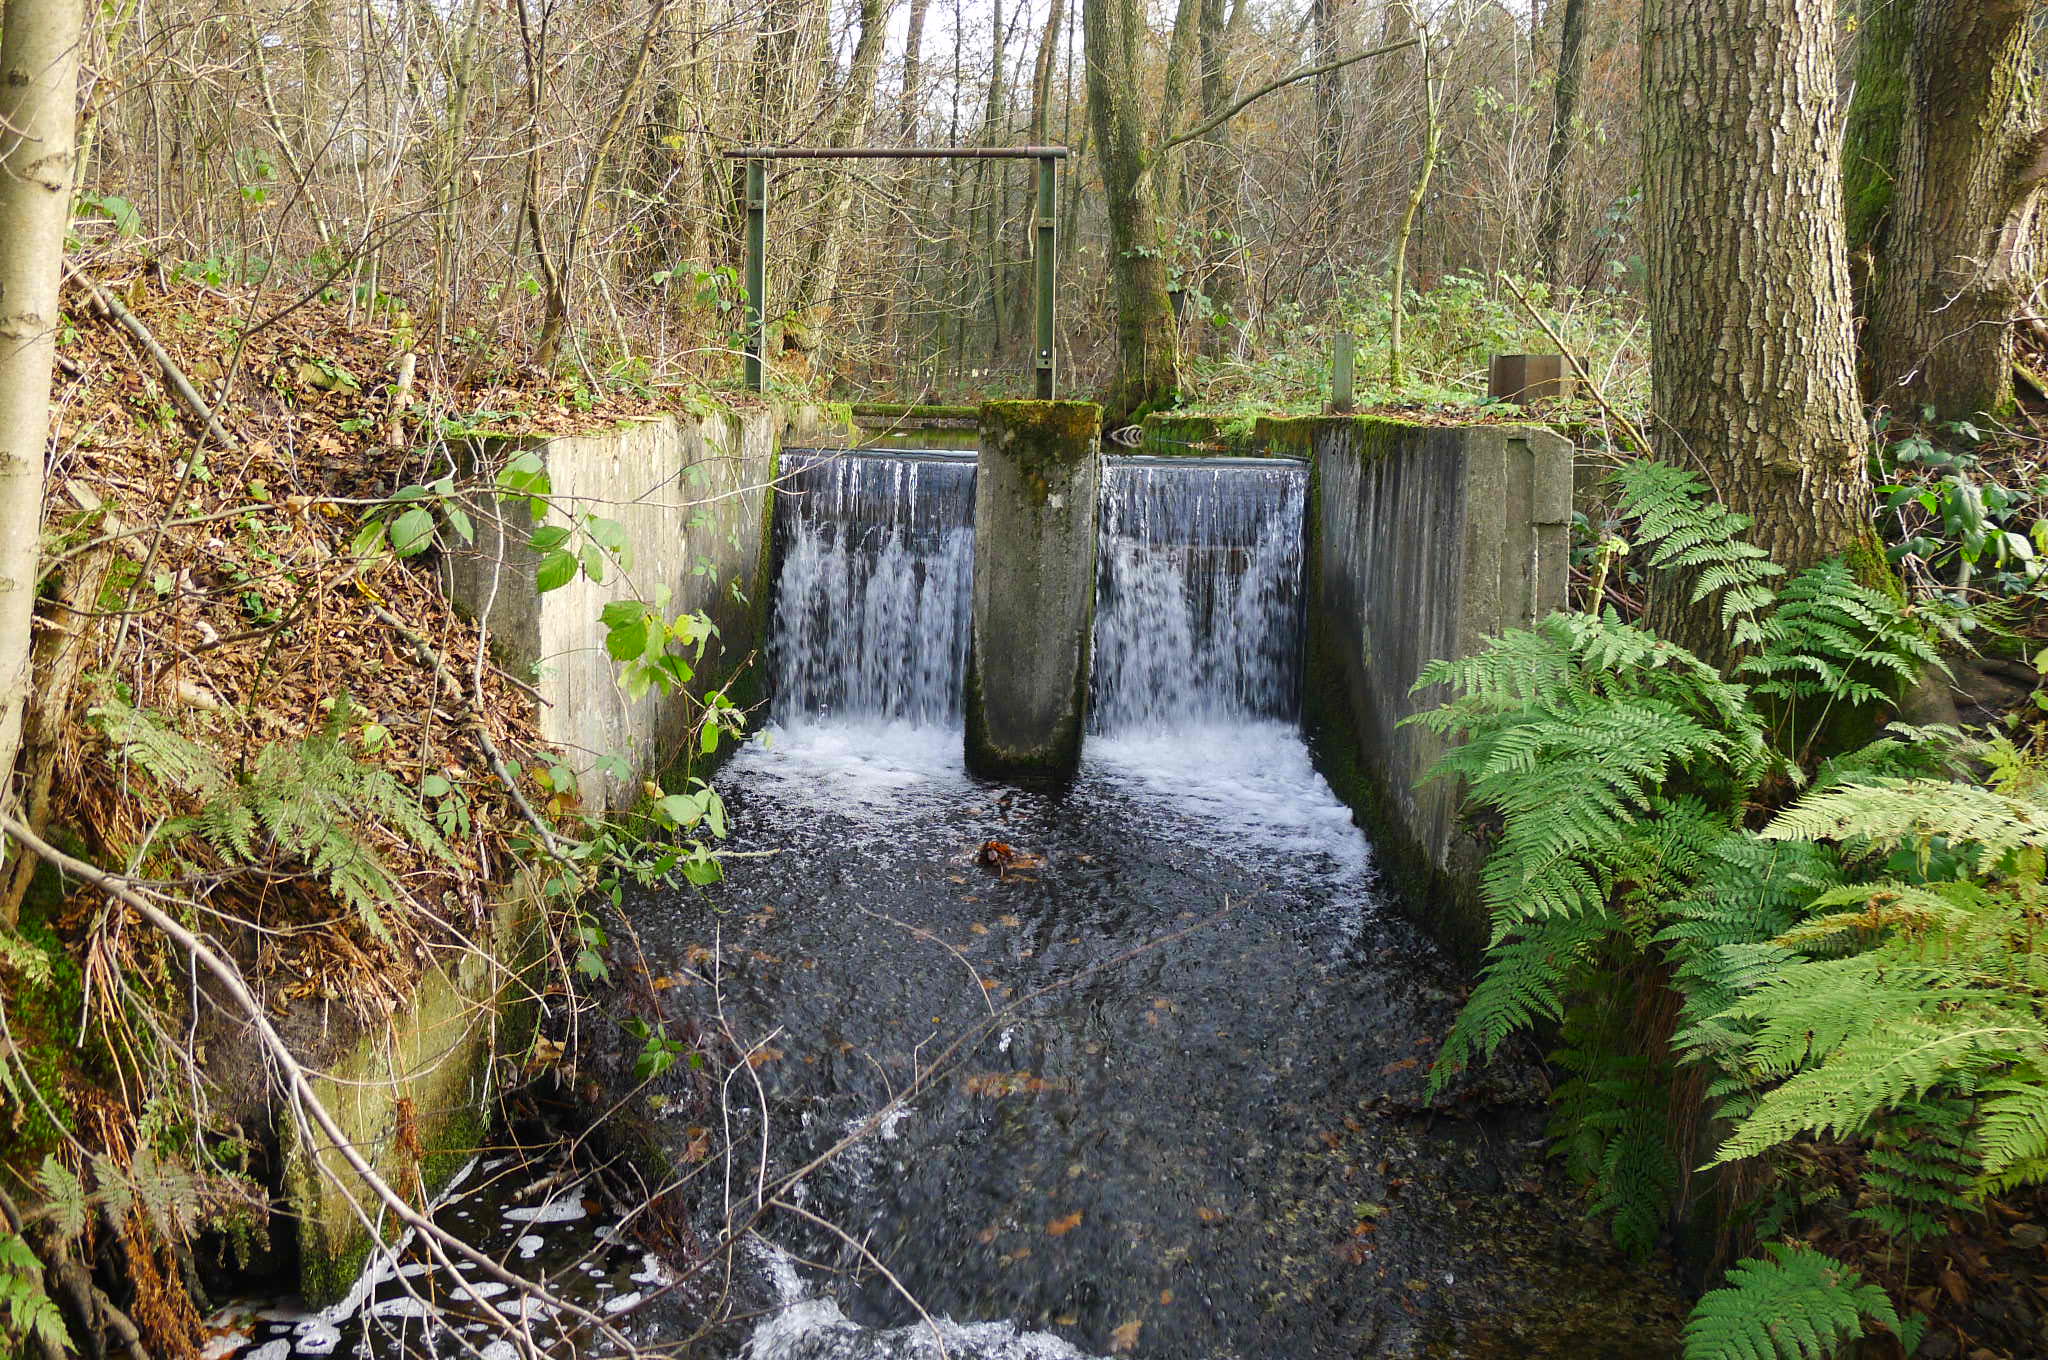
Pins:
x,y
872,599
1197,618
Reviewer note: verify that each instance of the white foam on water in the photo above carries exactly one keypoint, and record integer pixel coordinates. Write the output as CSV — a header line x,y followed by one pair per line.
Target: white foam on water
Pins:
x,y
224,1344
314,1337
566,1207
868,771
619,1303
270,1350
815,1328
530,1245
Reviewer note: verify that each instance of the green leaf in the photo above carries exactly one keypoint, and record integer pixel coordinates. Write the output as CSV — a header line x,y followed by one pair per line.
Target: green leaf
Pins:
x,y
369,540
557,568
627,640
435,786
547,536
593,562
412,532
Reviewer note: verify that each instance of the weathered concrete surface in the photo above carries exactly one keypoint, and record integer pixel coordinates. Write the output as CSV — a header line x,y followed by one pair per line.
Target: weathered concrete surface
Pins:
x,y
411,1097
1037,507
1423,542
695,496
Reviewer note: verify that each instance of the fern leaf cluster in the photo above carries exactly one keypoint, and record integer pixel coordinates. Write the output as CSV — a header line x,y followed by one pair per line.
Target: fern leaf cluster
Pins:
x,y
1687,532
1791,1302
304,804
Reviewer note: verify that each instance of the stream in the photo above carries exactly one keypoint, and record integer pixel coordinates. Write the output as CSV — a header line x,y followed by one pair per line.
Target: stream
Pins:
x,y
1152,1087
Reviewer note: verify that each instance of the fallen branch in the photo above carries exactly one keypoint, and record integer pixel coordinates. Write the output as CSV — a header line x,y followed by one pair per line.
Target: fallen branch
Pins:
x,y
1628,427
111,306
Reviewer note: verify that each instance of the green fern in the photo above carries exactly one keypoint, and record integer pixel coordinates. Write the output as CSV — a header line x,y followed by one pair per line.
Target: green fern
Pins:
x,y
306,802
1919,1167
1829,637
32,1312
1793,1303
1687,532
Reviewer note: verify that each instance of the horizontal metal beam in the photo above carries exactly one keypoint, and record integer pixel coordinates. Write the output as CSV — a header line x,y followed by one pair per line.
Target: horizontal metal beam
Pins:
x,y
887,153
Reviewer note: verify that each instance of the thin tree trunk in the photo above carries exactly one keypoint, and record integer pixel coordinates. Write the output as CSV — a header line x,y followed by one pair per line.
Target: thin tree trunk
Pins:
x,y
1432,145
1753,361
39,49
913,51
1564,137
1958,260
1877,115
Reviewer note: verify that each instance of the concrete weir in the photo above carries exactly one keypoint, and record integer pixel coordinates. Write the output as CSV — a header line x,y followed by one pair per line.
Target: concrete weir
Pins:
x,y
1422,542
694,494
1037,510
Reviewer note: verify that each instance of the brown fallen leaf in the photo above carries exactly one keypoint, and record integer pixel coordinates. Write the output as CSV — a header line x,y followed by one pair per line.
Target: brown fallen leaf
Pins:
x,y
977,929
761,1057
1165,1296
1007,919
1125,1338
1060,1227
1208,1215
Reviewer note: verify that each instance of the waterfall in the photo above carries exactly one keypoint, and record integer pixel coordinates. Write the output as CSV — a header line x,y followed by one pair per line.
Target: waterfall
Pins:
x,y
1198,599
872,598
1198,594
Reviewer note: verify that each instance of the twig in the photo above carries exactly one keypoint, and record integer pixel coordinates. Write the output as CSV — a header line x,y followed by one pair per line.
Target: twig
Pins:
x,y
182,385
474,713
1628,427
1209,125
299,1082
938,1337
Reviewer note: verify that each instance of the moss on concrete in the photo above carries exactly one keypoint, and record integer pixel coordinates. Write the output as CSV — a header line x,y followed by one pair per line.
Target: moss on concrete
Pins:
x,y
1041,437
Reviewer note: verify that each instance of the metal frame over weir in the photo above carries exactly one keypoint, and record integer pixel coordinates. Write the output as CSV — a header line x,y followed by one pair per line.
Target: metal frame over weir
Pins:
x,y
1045,257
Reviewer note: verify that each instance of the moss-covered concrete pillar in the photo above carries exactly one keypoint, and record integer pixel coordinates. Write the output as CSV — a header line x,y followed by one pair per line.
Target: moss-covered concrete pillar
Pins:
x,y
1037,500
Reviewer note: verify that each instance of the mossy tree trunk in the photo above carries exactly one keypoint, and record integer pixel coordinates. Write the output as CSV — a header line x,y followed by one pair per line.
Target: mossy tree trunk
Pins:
x,y
1752,351
1148,360
39,46
1958,261
1870,141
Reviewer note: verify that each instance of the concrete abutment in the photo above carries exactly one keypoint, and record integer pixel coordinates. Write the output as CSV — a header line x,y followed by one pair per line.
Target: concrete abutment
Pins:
x,y
1037,511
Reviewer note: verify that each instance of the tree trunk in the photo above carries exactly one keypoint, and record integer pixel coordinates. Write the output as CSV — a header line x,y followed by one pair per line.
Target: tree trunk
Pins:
x,y
39,42
1870,141
1564,137
1957,262
1329,106
816,287
1752,355
913,49
1147,361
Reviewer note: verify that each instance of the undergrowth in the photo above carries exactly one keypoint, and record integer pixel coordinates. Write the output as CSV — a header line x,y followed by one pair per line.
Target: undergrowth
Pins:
x,y
1750,941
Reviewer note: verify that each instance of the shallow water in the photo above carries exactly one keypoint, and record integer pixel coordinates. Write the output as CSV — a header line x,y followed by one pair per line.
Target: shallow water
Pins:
x,y
1158,1092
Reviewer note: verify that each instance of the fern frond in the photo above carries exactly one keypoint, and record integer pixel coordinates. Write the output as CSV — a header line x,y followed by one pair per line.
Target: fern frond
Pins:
x,y
1792,1303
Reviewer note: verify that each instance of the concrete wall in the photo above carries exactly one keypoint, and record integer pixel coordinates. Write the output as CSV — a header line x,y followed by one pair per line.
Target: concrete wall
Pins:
x,y
693,493
1037,508
1422,542
411,1096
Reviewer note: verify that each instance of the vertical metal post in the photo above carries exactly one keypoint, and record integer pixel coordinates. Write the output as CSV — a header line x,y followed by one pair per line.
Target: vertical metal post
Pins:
x,y
1047,271
757,275
1343,369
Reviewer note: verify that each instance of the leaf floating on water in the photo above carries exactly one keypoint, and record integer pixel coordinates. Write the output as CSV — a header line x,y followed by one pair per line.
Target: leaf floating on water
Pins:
x,y
1208,1215
977,929
1125,1338
761,1057
1060,1227
1006,919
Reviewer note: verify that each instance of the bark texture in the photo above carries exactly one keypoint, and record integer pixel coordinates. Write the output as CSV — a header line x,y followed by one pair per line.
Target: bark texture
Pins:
x,y
1148,362
1870,142
39,41
1958,260
1564,135
1753,359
